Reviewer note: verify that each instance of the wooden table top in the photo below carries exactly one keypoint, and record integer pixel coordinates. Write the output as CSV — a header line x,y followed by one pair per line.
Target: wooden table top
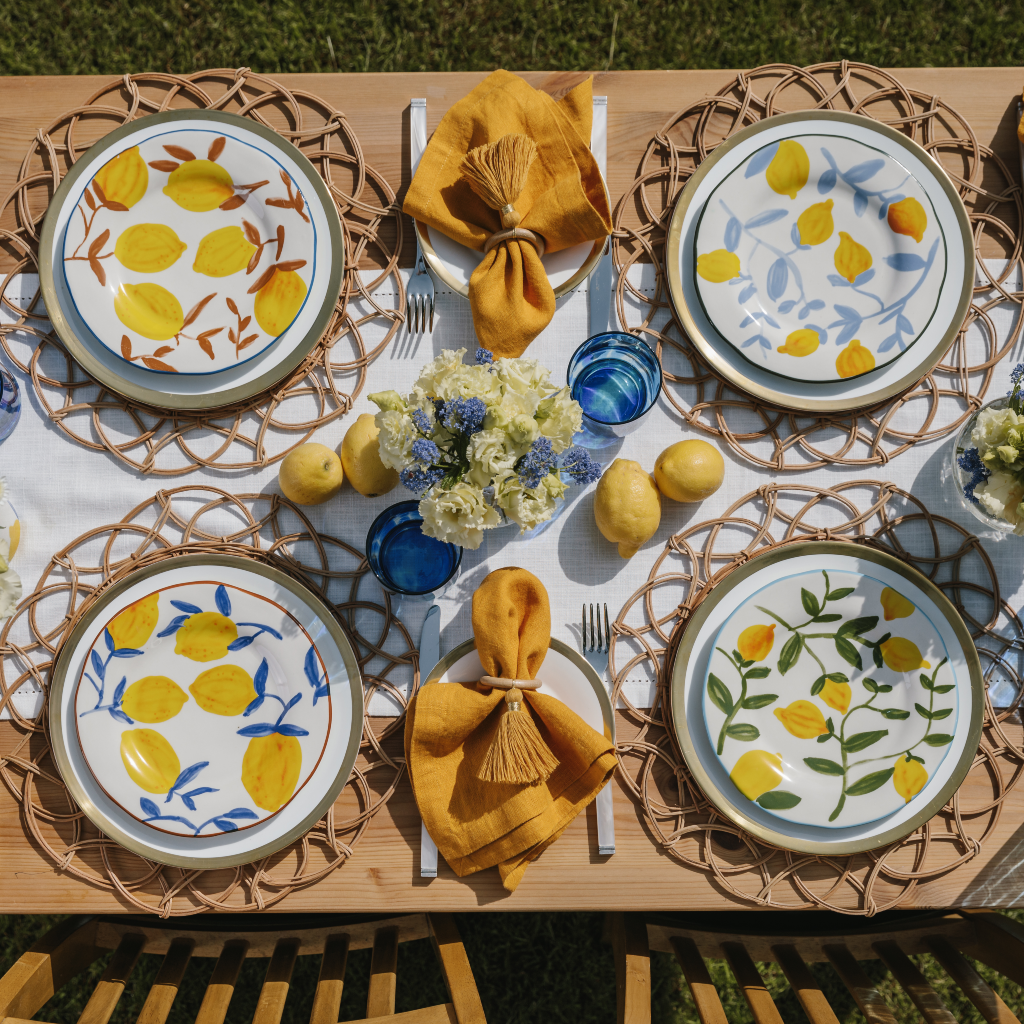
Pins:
x,y
382,875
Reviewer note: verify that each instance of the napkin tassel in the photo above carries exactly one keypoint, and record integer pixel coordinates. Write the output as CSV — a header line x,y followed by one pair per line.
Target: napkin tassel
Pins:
x,y
497,173
518,753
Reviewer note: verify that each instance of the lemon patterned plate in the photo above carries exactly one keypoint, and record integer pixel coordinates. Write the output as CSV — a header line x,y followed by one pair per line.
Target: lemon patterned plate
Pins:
x,y
827,697
191,255
820,261
206,711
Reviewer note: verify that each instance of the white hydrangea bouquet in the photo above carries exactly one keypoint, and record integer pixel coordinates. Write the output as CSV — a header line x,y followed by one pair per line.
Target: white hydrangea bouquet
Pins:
x,y
483,444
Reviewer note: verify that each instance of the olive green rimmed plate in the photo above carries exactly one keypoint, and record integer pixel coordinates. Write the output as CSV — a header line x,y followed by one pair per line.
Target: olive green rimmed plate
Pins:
x,y
687,695
306,808
193,392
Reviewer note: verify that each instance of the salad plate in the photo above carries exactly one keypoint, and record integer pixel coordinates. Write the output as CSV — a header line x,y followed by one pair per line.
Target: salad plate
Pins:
x,y
827,697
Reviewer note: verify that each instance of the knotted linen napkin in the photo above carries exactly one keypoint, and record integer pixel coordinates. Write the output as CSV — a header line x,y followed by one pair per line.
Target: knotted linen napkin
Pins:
x,y
450,726
564,200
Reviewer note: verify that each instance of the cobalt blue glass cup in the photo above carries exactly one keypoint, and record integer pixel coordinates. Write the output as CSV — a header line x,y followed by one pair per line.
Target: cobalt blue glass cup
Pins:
x,y
404,559
616,378
10,403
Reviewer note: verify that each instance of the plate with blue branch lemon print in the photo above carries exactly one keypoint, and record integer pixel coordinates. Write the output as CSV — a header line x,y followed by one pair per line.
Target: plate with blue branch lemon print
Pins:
x,y
820,258
202,708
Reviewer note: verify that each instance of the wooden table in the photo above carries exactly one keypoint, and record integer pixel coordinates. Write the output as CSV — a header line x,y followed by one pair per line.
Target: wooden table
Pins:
x,y
383,873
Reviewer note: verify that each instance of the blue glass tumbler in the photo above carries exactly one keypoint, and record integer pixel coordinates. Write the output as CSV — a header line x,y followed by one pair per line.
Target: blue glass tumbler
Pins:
x,y
10,403
404,559
615,378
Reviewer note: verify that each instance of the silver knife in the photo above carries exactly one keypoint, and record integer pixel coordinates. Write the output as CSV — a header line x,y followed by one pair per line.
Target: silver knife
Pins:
x,y
430,655
599,287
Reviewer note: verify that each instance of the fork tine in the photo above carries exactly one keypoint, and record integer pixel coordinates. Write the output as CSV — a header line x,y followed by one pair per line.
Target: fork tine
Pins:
x,y
583,627
431,312
600,637
592,628
607,630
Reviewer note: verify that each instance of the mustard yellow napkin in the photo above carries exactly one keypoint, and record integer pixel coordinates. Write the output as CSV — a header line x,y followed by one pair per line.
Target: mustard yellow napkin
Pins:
x,y
564,200
450,727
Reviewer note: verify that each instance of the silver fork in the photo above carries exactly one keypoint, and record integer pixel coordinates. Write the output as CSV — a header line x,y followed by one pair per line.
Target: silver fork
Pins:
x,y
420,296
596,647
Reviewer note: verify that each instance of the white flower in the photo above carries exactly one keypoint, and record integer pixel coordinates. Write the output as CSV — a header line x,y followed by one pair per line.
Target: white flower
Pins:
x,y
524,376
524,429
5,554
1001,495
458,515
437,369
490,456
529,506
10,592
560,417
388,400
395,439
993,426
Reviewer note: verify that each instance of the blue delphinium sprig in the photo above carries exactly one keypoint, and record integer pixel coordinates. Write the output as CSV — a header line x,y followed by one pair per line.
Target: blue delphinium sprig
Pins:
x,y
419,479
970,462
577,462
425,451
1016,399
422,422
536,463
484,357
465,415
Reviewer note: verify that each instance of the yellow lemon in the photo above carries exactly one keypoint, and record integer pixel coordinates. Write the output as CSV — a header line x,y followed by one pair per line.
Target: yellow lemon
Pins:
x,y
205,636
802,719
755,642
902,655
815,223
149,759
787,173
718,266
895,605
854,360
908,777
148,248
224,690
837,695
851,258
311,474
134,625
278,301
689,470
756,772
270,770
149,310
223,252
360,459
199,185
627,506
124,179
907,217
801,343
153,699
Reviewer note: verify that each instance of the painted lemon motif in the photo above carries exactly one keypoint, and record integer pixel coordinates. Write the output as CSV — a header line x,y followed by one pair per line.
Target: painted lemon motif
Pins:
x,y
815,224
836,695
909,778
895,605
902,655
855,359
907,217
124,179
14,533
278,301
801,343
718,266
149,310
755,642
205,637
148,248
756,772
149,759
153,699
851,258
788,171
134,625
224,690
223,252
270,770
199,185
802,719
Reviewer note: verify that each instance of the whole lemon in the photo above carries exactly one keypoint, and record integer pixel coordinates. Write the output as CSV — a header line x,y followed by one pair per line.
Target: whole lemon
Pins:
x,y
689,470
311,474
270,770
153,699
205,636
360,459
627,506
278,302
149,759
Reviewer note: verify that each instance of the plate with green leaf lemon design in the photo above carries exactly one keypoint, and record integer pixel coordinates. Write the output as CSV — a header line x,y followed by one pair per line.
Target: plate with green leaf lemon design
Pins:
x,y
827,697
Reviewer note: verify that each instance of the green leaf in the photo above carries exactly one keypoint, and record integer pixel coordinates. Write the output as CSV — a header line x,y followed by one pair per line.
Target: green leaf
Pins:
x,y
923,711
818,685
742,731
859,626
937,716
827,618
839,808
719,693
876,655
914,757
869,684
759,673
809,601
825,737
759,700
898,713
838,677
823,766
778,800
938,739
838,595
869,783
747,663
737,657
884,688
848,652
943,689
925,681
861,740
789,653
775,617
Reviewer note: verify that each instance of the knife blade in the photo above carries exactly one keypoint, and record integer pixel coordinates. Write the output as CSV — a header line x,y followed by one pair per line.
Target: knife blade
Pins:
x,y
430,655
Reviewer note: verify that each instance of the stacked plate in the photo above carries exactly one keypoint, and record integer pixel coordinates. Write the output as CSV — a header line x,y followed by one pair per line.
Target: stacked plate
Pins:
x,y
820,261
191,259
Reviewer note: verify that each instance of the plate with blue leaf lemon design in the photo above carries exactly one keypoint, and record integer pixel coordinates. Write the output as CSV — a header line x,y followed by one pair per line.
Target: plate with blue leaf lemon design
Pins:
x,y
206,711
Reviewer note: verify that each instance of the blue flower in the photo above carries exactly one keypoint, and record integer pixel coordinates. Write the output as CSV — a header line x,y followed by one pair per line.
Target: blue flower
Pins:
x,y
465,415
422,422
484,357
1014,393
425,451
970,462
536,463
578,463
418,479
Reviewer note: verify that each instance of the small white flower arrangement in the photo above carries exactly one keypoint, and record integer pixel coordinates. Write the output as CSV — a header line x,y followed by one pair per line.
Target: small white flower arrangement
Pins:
x,y
483,444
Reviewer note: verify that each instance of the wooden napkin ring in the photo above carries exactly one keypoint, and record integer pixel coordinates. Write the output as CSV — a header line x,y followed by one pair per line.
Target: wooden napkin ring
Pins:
x,y
515,234
501,683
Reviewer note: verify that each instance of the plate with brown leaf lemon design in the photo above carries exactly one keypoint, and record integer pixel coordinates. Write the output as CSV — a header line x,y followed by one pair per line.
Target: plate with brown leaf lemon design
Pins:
x,y
829,697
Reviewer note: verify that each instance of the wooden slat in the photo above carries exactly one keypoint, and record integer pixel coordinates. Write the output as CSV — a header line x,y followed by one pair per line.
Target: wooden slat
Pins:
x,y
380,1000
805,985
270,1007
632,968
989,1004
759,999
112,981
221,986
914,983
999,943
161,996
702,988
863,990
455,967
331,983
442,1013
